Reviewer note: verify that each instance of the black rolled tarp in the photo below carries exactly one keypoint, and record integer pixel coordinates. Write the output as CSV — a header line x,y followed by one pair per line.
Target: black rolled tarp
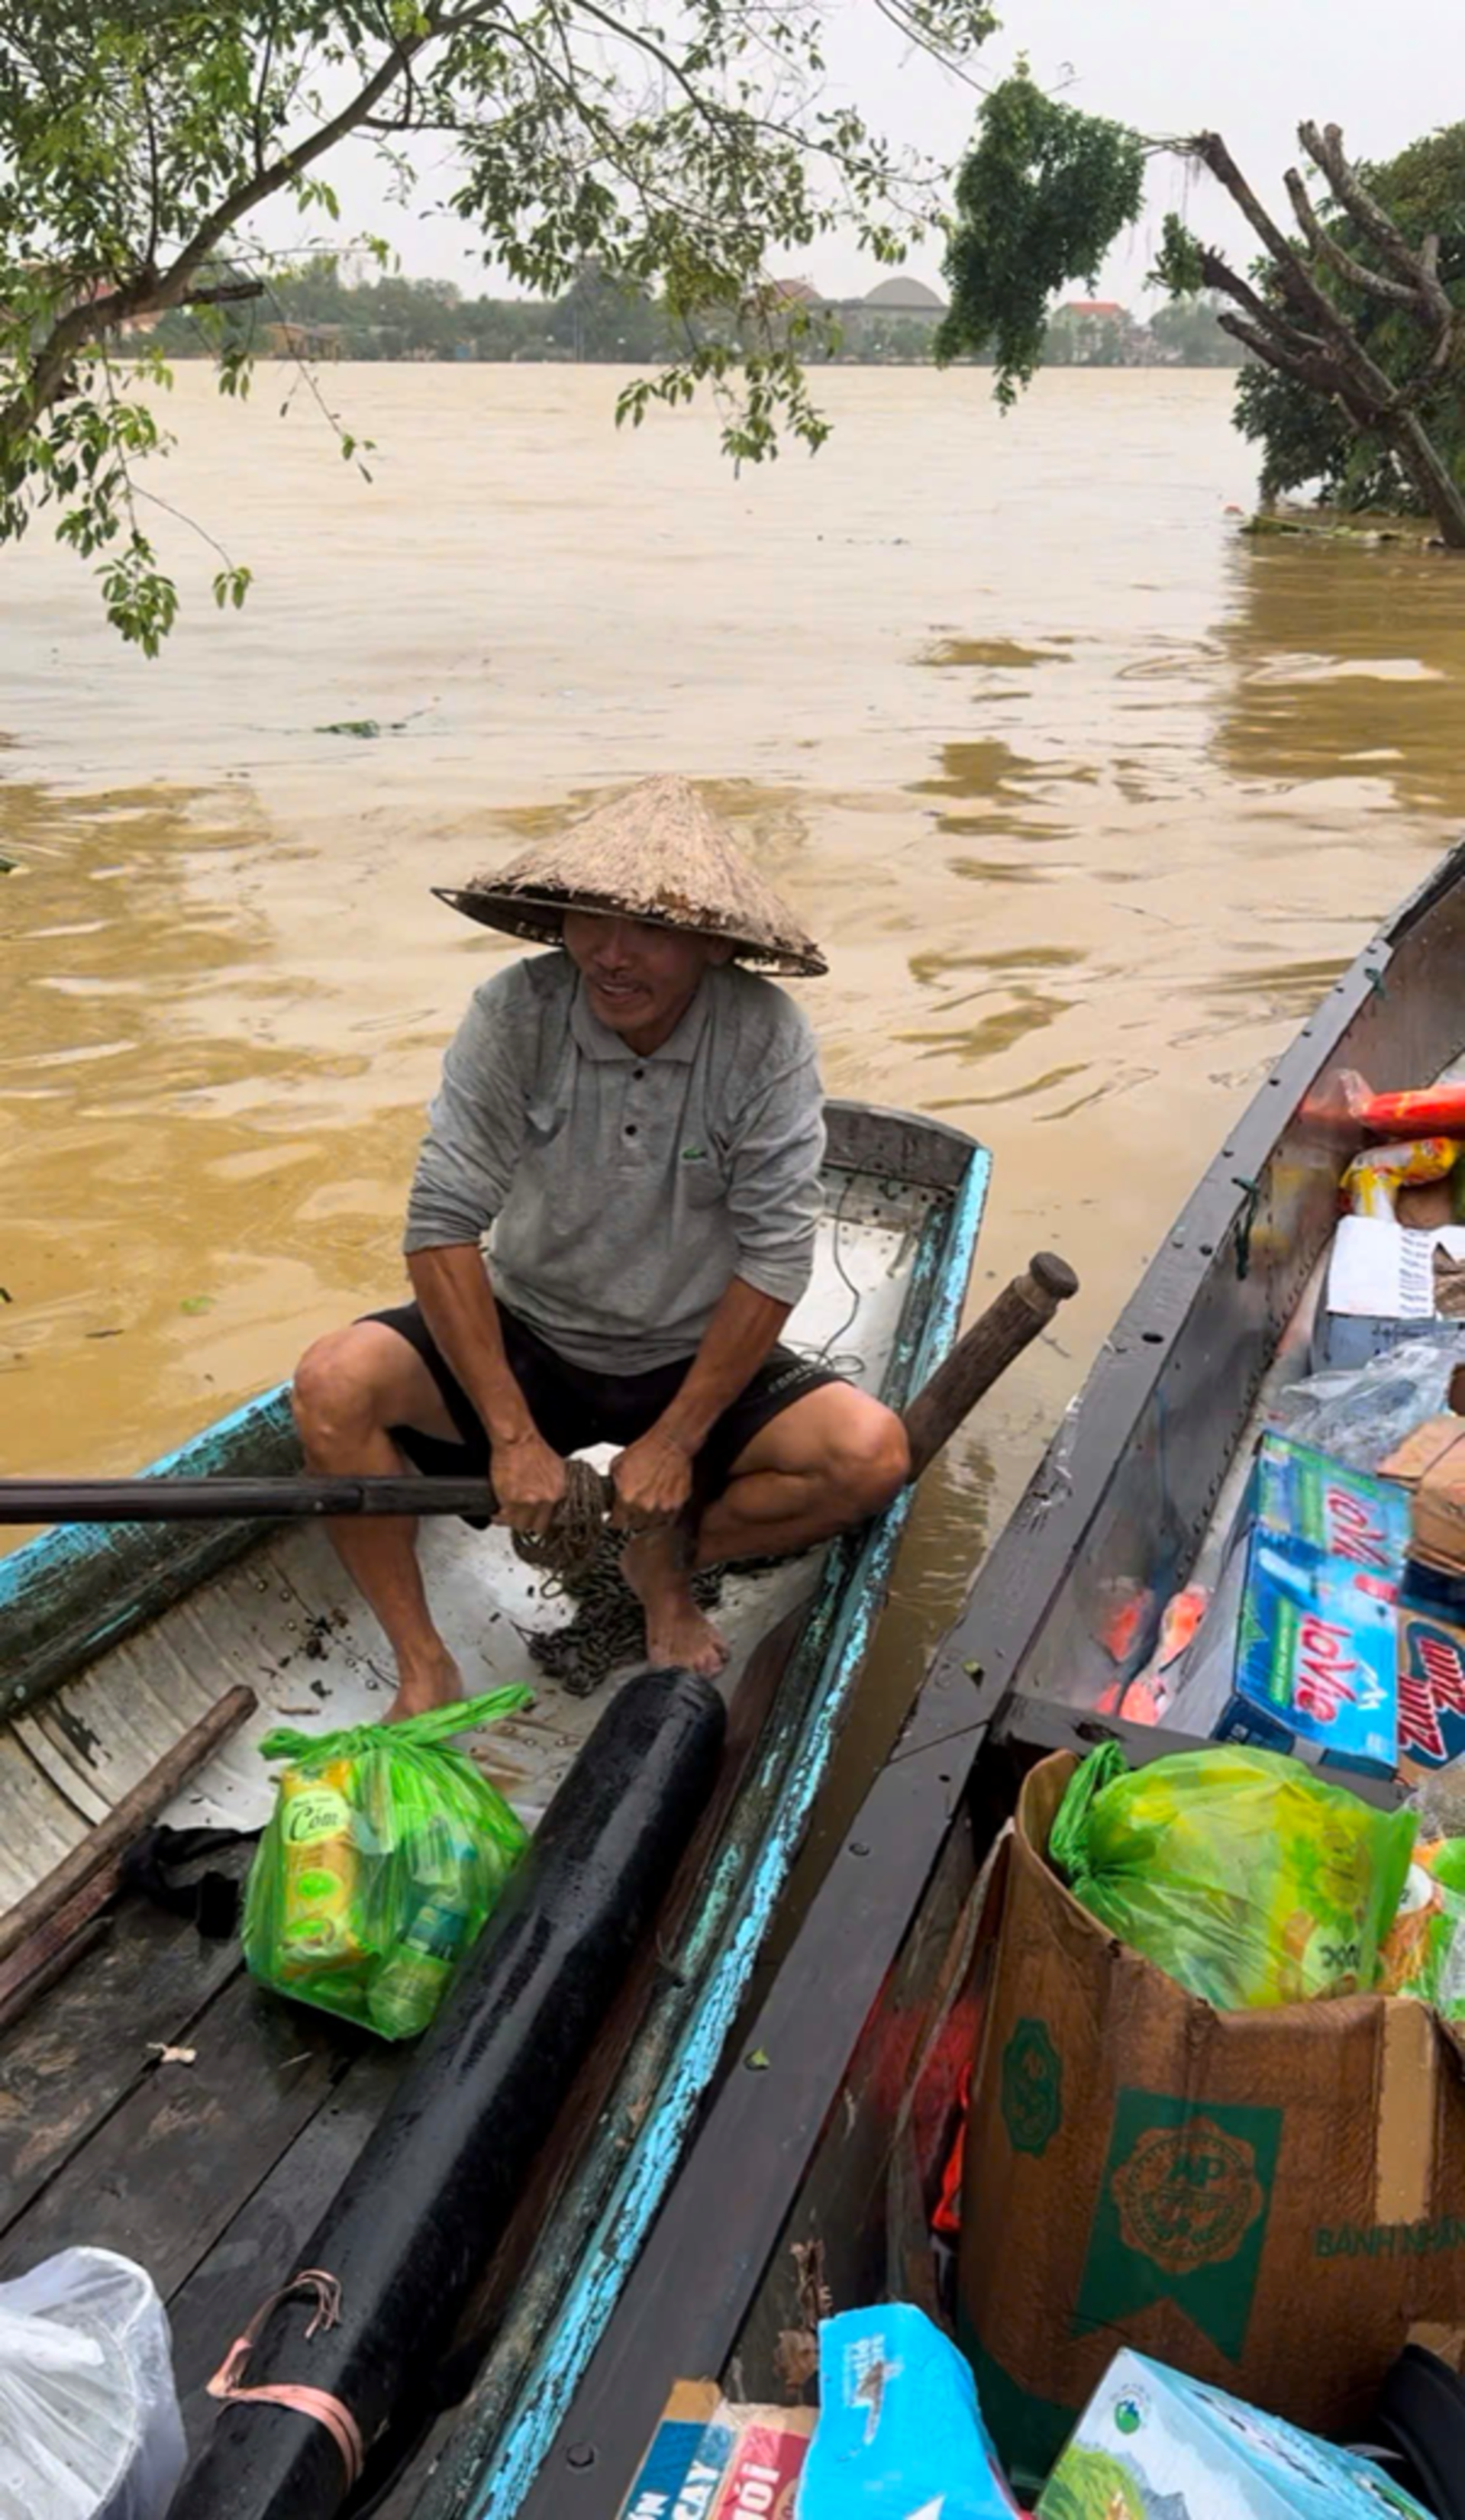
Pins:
x,y
425,2205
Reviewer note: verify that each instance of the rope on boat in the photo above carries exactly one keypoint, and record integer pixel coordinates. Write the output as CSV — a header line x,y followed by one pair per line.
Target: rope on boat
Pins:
x,y
318,2406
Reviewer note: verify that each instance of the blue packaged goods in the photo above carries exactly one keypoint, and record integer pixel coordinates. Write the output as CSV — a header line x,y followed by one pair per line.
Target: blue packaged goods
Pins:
x,y
1297,1654
900,2433
1297,1493
1151,2442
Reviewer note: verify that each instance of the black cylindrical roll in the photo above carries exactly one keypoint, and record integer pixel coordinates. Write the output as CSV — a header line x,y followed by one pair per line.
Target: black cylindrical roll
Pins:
x,y
426,2203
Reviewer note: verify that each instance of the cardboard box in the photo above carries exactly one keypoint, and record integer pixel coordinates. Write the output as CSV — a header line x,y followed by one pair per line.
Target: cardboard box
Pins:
x,y
1380,1290
710,2459
1151,2441
1270,2201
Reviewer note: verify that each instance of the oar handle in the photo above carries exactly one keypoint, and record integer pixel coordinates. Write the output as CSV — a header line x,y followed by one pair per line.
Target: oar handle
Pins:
x,y
1010,1323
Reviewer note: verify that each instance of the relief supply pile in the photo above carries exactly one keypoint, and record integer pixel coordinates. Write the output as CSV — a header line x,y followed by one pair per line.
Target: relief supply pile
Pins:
x,y
1201,2127
89,2422
900,2435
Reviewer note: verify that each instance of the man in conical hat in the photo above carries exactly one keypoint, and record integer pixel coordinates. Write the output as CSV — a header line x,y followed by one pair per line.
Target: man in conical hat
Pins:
x,y
634,1123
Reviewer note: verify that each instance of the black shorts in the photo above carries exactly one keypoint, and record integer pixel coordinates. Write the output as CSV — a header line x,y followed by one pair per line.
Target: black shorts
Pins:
x,y
574,1407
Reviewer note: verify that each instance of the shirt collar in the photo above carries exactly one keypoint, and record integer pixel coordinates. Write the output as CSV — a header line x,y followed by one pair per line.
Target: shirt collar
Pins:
x,y
599,1042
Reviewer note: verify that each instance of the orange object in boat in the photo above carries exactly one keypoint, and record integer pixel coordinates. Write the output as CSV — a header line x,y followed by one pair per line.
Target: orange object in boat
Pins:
x,y
1425,1110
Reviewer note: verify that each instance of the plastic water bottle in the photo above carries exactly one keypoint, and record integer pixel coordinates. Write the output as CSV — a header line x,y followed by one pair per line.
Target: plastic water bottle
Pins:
x,y
411,1984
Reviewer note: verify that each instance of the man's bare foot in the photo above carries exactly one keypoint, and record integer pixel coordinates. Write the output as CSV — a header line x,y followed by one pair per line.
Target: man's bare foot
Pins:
x,y
678,1633
424,1686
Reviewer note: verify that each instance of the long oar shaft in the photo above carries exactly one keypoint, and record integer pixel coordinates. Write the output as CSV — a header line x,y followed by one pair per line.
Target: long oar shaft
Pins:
x,y
233,1500
1016,1317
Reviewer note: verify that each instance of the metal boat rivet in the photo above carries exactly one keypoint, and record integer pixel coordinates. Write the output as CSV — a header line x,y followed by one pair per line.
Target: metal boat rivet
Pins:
x,y
580,2455
857,1849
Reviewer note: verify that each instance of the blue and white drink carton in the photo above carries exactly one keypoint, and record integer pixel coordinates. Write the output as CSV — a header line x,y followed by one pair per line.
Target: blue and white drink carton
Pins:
x,y
1299,1493
1151,2442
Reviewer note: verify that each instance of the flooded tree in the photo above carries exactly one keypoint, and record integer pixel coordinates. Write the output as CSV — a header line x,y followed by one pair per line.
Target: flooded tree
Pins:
x,y
140,140
1314,314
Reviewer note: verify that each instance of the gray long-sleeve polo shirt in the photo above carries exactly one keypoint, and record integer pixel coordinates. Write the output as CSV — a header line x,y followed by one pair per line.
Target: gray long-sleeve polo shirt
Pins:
x,y
622,1194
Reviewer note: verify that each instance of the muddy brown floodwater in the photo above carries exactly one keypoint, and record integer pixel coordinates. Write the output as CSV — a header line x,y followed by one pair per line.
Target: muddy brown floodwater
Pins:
x,y
1088,797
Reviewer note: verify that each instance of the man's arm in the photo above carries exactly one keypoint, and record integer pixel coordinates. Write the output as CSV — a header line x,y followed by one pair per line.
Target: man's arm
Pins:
x,y
474,1136
457,1304
653,1476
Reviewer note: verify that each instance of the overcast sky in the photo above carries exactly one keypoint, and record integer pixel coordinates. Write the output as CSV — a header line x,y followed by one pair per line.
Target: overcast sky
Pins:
x,y
1388,70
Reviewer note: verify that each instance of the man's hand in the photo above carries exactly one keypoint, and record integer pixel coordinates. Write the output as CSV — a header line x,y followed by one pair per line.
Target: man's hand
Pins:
x,y
528,1480
652,1482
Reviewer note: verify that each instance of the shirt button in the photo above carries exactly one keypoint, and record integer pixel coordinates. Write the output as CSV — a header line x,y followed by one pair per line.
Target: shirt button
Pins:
x,y
630,1128
638,1073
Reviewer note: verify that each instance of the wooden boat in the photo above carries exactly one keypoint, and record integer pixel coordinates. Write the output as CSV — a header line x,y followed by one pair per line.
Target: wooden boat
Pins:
x,y
115,1642
843,2139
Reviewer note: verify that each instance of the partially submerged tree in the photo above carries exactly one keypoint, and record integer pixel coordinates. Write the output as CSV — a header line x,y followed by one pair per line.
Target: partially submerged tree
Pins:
x,y
1308,439
140,139
1296,320
1363,312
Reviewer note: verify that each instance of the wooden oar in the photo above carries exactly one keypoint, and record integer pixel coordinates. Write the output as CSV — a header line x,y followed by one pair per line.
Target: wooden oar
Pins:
x,y
1010,1324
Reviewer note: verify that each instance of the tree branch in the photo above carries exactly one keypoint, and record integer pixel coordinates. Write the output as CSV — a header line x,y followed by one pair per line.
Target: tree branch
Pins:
x,y
1325,149
148,292
1293,275
1217,273
1370,284
230,292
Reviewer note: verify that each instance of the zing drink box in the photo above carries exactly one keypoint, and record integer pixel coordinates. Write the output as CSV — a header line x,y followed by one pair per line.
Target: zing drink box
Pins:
x,y
1151,2443
1431,1690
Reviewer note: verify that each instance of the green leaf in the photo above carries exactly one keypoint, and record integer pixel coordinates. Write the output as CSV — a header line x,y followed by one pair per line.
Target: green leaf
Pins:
x,y
196,1304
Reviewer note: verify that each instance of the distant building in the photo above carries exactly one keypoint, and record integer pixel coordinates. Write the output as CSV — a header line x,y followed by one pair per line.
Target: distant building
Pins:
x,y
1096,310
286,341
905,297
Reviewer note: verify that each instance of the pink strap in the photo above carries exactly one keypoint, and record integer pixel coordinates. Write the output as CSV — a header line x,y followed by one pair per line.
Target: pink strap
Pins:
x,y
316,2404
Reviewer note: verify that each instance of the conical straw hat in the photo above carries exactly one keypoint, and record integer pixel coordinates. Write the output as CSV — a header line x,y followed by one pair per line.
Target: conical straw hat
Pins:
x,y
657,854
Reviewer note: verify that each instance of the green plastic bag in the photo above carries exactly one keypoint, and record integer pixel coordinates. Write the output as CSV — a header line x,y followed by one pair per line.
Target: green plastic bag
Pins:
x,y
385,1855
1238,1871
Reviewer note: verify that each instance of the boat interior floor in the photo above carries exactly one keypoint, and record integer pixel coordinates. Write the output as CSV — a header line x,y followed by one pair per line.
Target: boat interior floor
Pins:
x,y
154,2100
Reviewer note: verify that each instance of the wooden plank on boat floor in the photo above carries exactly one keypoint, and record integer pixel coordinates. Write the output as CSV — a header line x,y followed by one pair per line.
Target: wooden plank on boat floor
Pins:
x,y
172,2165
261,2247
80,2047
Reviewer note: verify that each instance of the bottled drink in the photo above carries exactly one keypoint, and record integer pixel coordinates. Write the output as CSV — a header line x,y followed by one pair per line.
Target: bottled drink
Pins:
x,y
414,1978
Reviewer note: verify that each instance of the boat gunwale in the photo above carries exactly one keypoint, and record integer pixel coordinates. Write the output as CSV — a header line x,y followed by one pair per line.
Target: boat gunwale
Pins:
x,y
718,2242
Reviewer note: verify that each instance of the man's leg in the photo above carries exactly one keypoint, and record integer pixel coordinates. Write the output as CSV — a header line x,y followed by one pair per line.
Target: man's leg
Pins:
x,y
826,1462
830,1459
349,1388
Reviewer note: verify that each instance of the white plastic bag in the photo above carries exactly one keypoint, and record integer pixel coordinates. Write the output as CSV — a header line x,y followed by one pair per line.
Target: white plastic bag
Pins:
x,y
89,2421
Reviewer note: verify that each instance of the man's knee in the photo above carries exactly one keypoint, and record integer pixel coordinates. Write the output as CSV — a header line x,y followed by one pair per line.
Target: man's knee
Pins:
x,y
333,1392
871,1458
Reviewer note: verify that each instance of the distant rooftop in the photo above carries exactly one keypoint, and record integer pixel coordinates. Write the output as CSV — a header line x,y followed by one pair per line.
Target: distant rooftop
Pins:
x,y
903,289
1105,306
